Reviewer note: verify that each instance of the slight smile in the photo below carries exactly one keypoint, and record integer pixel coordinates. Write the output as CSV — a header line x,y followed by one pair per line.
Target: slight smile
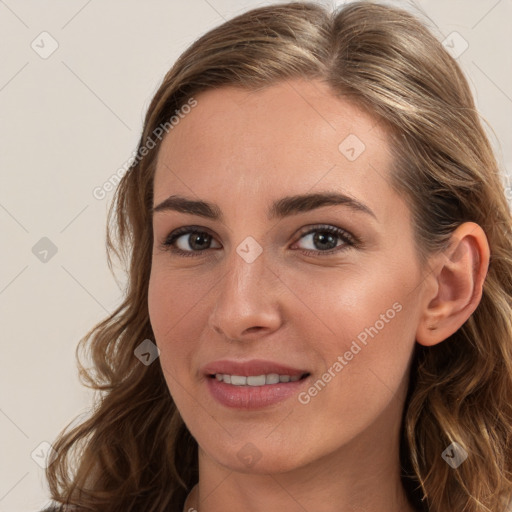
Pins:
x,y
252,384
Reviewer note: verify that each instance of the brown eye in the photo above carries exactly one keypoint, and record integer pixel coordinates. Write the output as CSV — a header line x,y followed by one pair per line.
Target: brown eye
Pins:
x,y
325,239
189,240
322,239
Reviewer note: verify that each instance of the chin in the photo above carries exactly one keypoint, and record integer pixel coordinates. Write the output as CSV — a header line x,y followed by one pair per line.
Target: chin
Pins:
x,y
252,457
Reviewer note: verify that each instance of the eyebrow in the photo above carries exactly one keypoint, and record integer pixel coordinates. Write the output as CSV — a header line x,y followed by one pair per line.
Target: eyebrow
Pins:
x,y
284,207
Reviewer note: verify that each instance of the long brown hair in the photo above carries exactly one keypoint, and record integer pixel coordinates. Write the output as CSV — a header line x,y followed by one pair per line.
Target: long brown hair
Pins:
x,y
134,452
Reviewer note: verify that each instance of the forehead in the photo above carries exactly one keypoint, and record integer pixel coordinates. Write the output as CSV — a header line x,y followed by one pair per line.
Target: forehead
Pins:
x,y
295,136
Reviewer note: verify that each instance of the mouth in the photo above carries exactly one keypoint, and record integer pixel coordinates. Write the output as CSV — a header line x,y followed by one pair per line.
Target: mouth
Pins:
x,y
256,384
268,379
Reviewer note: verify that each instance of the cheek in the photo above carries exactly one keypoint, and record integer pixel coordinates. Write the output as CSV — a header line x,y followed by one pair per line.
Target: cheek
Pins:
x,y
342,302
176,304
164,314
167,304
361,328
172,297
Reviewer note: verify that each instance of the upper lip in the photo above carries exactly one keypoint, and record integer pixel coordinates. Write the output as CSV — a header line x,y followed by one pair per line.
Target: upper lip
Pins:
x,y
248,368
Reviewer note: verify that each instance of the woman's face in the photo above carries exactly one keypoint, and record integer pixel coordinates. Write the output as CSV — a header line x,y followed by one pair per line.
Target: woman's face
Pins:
x,y
280,285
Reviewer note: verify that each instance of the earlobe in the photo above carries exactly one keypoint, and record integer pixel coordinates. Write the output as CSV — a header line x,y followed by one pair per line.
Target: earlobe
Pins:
x,y
454,288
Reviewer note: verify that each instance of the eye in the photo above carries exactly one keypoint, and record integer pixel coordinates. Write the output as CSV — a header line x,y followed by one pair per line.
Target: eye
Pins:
x,y
194,240
324,240
186,241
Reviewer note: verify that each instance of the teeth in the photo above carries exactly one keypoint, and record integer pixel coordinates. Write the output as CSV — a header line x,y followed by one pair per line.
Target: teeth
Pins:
x,y
238,380
260,380
255,380
271,378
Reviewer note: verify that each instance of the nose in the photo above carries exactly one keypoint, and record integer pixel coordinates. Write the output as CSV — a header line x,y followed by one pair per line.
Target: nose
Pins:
x,y
246,306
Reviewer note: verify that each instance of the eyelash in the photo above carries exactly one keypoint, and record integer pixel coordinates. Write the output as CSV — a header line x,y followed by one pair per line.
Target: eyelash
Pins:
x,y
348,239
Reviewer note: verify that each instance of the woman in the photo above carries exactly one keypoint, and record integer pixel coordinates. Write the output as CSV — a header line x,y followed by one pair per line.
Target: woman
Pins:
x,y
250,365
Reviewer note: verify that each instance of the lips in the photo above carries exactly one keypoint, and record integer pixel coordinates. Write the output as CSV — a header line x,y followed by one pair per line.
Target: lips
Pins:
x,y
253,384
254,367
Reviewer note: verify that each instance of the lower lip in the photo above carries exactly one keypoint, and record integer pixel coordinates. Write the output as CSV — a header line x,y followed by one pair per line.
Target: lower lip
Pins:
x,y
252,397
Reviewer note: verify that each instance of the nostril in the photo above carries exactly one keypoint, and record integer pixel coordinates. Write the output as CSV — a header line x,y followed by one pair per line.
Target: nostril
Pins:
x,y
252,329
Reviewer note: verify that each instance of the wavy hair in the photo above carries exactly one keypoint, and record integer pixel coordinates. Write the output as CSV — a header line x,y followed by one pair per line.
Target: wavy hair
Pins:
x,y
134,452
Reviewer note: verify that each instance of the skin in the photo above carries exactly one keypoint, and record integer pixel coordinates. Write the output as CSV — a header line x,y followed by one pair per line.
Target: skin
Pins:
x,y
242,150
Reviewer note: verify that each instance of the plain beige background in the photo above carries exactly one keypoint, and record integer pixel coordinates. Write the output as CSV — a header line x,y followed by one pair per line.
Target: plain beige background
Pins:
x,y
69,120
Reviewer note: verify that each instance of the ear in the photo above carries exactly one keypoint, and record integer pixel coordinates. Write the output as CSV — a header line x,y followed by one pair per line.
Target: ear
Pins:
x,y
453,288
